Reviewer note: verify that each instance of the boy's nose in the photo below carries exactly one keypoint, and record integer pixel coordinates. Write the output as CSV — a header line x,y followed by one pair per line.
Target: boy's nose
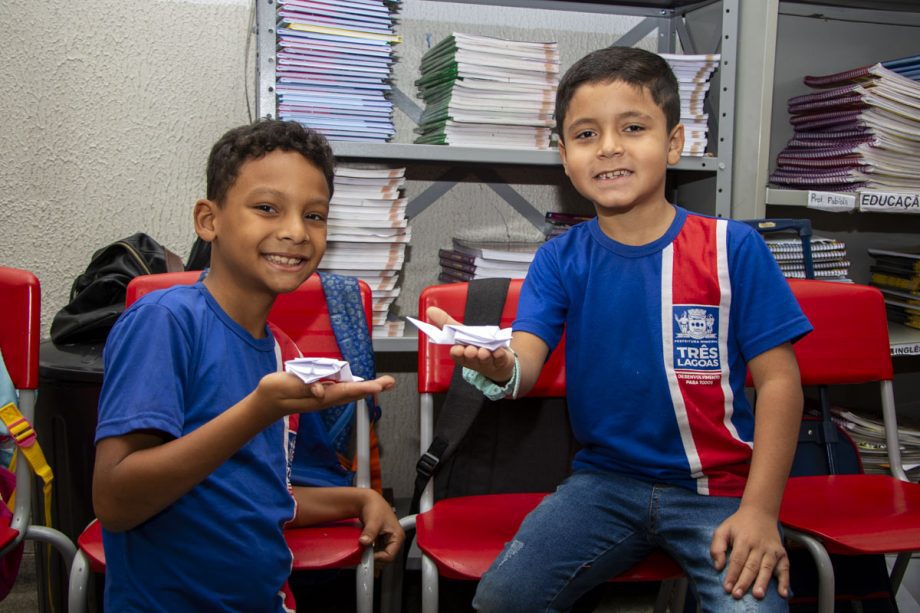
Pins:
x,y
293,228
610,145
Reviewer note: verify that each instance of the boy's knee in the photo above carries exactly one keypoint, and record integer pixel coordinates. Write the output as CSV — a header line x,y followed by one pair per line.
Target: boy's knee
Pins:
x,y
498,593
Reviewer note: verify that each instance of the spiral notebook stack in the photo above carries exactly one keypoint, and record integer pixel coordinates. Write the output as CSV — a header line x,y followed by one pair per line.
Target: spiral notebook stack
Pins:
x,y
896,272
693,73
859,131
488,92
367,234
829,258
333,66
469,260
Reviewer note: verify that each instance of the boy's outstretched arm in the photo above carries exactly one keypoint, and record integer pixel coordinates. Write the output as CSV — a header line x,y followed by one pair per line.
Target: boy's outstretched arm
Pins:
x,y
498,365
757,552
381,527
140,474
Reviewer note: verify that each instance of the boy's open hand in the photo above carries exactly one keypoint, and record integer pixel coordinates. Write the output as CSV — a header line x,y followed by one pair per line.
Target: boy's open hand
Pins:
x,y
286,393
757,554
497,365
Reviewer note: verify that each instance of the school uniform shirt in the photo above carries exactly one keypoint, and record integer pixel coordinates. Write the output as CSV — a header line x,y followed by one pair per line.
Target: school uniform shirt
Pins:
x,y
174,361
657,341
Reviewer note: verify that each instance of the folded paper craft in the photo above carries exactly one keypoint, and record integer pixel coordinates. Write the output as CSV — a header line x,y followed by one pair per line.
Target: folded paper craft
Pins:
x,y
320,369
488,337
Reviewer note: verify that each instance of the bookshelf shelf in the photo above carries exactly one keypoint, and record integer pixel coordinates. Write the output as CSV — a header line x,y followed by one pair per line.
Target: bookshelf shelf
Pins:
x,y
395,344
398,152
904,340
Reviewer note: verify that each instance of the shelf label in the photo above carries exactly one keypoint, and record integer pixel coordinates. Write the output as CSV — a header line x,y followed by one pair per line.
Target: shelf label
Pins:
x,y
831,201
890,202
905,349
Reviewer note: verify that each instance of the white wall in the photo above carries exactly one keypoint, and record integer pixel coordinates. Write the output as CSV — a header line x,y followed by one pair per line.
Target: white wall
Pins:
x,y
109,110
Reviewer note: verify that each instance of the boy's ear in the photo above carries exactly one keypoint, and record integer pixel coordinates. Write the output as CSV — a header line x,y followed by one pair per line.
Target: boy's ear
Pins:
x,y
565,166
675,144
204,214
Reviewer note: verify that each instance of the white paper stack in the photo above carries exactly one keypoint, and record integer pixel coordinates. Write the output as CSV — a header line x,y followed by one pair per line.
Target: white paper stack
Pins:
x,y
470,260
693,73
367,234
488,92
868,433
334,65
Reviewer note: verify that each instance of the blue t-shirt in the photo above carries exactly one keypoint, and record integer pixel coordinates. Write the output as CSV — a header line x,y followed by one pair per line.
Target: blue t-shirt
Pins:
x,y
657,341
174,361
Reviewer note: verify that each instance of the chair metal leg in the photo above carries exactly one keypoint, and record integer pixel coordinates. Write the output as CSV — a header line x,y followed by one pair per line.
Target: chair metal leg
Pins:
x,y
898,570
429,585
79,580
826,589
55,538
364,581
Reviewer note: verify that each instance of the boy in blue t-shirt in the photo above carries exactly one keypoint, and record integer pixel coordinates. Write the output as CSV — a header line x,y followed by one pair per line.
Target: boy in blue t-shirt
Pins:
x,y
195,433
664,311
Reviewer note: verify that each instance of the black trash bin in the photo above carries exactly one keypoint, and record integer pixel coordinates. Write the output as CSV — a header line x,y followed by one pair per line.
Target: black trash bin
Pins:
x,y
70,379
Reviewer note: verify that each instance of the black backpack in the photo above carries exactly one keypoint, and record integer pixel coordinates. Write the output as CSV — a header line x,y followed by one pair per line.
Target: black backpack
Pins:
x,y
97,296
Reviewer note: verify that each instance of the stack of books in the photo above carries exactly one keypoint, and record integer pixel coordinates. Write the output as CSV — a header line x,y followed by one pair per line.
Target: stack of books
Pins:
x,y
469,260
693,73
367,234
488,92
333,67
896,272
559,223
829,258
860,131
869,435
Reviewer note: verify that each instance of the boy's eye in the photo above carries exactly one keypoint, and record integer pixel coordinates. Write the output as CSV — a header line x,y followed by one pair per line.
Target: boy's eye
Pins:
x,y
584,134
265,208
634,127
315,217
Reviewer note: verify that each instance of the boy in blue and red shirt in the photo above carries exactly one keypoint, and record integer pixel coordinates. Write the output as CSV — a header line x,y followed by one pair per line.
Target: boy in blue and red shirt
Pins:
x,y
664,311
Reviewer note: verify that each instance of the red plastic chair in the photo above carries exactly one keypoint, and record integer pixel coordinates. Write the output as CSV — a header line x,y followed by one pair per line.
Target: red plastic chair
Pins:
x,y
460,537
850,514
20,334
303,316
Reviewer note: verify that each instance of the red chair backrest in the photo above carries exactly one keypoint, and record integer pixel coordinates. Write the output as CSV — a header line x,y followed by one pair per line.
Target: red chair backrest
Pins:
x,y
435,366
302,314
20,325
850,341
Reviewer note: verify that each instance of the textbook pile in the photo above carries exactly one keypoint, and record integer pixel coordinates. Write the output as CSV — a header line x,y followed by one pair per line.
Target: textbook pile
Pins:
x,y
488,92
367,234
470,260
829,258
693,73
897,274
860,131
559,223
333,67
869,435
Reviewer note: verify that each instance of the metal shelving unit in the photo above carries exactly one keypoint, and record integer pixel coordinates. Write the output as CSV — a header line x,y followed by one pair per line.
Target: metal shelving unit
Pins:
x,y
672,19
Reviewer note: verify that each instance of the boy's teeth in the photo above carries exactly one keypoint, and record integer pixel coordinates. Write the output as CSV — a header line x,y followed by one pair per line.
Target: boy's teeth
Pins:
x,y
615,173
283,260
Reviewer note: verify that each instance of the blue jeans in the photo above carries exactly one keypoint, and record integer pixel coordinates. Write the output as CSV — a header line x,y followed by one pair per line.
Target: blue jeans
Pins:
x,y
596,526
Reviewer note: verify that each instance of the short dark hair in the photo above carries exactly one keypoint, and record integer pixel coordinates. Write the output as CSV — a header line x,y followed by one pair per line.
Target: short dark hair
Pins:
x,y
254,140
628,64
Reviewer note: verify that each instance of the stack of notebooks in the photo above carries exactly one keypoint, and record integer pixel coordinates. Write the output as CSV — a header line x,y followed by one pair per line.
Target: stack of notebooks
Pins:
x,y
693,73
859,131
829,258
334,64
869,435
559,223
897,274
470,260
367,234
488,92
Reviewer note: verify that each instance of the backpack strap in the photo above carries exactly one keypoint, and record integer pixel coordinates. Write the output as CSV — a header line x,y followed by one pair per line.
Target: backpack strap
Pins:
x,y
23,434
349,325
485,301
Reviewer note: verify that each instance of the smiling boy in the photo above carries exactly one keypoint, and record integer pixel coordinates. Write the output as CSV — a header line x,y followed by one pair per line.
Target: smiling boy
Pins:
x,y
194,442
671,457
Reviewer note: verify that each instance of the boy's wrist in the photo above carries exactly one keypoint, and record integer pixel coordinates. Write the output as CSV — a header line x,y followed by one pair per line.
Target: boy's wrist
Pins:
x,y
491,389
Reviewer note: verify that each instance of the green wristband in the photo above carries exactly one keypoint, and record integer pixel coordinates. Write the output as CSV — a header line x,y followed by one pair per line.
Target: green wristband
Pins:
x,y
489,388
